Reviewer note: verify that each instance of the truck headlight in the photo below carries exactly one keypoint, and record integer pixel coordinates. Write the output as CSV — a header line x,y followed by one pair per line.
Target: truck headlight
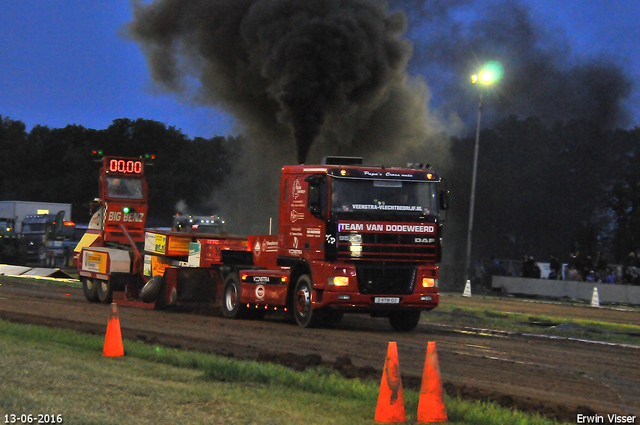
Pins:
x,y
339,281
429,282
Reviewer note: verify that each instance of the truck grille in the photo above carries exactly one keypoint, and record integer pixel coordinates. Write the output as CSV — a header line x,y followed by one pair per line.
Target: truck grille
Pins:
x,y
387,247
385,279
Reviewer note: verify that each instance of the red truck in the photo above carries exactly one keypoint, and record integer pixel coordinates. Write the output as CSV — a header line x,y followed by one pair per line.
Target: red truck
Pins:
x,y
351,238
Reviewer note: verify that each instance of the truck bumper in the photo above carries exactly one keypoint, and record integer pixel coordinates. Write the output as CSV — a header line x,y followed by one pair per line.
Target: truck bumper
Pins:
x,y
377,302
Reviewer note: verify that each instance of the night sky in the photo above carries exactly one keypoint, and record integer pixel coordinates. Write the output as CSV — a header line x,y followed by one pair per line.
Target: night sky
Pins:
x,y
71,61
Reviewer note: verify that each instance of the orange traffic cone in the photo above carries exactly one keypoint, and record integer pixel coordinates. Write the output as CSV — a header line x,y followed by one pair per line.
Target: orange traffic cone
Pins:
x,y
390,408
113,340
431,406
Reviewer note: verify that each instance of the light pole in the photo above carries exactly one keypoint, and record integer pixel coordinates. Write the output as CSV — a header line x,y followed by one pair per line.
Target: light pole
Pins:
x,y
491,72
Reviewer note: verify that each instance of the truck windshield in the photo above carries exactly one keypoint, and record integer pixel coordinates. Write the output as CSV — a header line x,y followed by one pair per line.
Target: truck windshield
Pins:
x,y
384,196
33,227
121,188
6,226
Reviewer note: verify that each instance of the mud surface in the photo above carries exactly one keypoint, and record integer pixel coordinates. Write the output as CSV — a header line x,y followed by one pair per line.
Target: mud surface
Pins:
x,y
554,377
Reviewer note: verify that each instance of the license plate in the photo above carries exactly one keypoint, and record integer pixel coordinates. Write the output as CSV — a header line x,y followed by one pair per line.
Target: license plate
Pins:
x,y
386,300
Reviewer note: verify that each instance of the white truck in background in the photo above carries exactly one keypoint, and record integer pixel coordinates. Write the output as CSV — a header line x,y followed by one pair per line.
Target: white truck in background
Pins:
x,y
18,210
39,231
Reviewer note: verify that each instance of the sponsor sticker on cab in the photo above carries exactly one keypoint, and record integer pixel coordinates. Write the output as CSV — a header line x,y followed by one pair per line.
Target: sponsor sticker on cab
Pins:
x,y
382,227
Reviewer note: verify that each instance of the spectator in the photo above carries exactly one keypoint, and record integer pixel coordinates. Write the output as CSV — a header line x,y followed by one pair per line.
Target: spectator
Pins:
x,y
479,274
497,268
572,274
587,268
626,277
555,266
536,270
575,261
601,262
611,276
528,267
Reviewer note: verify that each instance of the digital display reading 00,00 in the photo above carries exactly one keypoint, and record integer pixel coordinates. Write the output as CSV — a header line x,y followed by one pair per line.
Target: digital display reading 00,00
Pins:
x,y
125,166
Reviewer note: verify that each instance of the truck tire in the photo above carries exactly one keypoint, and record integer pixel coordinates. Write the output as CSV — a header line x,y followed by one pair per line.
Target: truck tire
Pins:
x,y
404,321
305,316
231,307
105,291
150,291
90,288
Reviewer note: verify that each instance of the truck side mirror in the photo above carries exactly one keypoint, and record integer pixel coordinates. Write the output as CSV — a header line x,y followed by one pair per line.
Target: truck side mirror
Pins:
x,y
314,200
444,200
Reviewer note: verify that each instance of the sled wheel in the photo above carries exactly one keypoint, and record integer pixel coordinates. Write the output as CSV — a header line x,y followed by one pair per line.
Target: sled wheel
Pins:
x,y
105,291
90,288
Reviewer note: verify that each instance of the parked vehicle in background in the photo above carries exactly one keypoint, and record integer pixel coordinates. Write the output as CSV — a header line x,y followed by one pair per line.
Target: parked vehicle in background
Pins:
x,y
47,240
8,240
37,233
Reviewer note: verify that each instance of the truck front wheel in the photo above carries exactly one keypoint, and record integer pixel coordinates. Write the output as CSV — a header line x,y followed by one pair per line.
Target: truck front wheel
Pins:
x,y
404,321
90,289
105,291
231,307
305,316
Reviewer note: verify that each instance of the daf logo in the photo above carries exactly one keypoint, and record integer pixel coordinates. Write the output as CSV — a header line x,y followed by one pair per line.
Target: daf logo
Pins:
x,y
424,240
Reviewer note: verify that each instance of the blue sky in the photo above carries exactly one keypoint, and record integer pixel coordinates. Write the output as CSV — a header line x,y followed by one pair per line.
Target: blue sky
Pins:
x,y
68,62
599,27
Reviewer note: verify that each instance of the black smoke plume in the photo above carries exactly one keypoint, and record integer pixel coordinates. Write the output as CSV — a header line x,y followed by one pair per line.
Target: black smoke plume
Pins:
x,y
543,75
289,70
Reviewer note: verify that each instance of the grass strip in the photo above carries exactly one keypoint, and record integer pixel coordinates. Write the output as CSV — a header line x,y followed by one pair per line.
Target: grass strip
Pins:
x,y
545,325
44,370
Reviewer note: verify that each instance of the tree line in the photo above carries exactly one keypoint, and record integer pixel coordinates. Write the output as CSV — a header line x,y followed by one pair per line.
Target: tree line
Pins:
x,y
56,165
542,189
546,190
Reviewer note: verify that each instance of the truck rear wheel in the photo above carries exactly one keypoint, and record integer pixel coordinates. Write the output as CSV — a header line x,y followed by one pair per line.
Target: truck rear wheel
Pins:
x,y
90,288
404,321
105,291
231,307
305,316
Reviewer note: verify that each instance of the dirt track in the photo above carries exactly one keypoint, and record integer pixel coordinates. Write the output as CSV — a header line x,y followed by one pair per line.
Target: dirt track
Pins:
x,y
555,377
